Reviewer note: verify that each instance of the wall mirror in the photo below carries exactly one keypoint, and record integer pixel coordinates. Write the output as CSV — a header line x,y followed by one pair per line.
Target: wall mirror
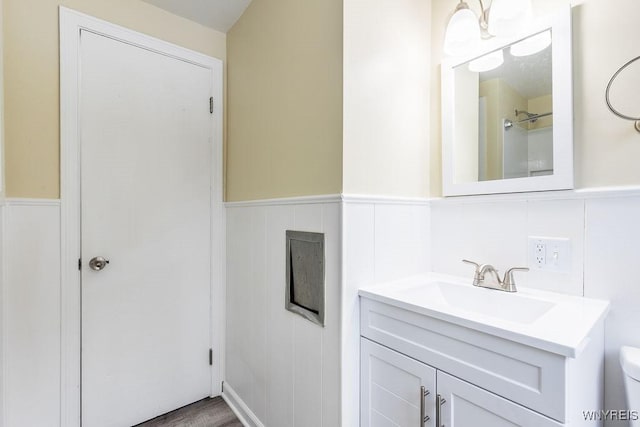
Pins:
x,y
507,113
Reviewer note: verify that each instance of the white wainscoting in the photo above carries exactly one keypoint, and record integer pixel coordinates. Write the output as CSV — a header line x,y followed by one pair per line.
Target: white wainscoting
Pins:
x,y
31,313
283,369
495,232
287,371
604,228
384,239
612,271
3,347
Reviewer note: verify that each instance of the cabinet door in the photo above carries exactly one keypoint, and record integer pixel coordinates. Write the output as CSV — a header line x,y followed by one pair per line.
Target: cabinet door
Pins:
x,y
466,405
395,389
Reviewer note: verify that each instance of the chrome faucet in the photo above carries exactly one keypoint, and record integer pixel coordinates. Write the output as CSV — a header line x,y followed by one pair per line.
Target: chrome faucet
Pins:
x,y
486,276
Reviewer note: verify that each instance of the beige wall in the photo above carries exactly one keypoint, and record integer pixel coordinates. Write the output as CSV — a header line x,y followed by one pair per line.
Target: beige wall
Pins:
x,y
466,168
489,91
502,101
540,105
284,116
287,108
287,83
31,78
386,97
508,101
606,147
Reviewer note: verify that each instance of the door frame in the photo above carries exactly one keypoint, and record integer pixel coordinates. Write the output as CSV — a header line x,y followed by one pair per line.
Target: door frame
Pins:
x,y
71,24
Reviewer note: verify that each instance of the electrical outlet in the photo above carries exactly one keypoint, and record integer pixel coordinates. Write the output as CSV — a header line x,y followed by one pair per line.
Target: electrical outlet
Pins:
x,y
549,254
540,254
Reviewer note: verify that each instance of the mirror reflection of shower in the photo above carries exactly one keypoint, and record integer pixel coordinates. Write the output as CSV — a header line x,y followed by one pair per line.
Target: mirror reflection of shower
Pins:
x,y
528,148
531,118
508,131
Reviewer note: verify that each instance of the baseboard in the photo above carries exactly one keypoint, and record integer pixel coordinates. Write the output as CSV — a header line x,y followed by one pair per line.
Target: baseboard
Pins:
x,y
237,405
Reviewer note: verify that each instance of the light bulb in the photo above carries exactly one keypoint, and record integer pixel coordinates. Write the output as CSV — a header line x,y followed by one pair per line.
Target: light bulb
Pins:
x,y
508,17
463,32
531,45
487,62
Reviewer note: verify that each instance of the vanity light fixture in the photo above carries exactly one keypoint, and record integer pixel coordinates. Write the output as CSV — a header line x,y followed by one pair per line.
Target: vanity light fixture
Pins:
x,y
465,29
463,32
487,62
508,17
532,45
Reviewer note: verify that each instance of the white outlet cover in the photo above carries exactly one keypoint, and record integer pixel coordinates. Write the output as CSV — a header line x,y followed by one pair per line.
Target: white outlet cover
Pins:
x,y
550,254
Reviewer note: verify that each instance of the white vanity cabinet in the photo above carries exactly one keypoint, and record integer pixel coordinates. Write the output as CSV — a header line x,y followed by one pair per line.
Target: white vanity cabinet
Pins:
x,y
396,390
485,379
465,405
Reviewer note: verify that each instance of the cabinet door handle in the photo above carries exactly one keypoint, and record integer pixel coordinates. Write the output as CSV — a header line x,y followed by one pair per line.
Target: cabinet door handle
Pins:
x,y
439,402
422,391
423,416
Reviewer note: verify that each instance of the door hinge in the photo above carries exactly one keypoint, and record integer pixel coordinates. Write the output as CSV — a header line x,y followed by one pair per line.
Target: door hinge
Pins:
x,y
79,263
210,357
211,105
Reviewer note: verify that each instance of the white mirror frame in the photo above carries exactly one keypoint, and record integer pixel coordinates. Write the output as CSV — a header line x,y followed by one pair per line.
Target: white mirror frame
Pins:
x,y
562,90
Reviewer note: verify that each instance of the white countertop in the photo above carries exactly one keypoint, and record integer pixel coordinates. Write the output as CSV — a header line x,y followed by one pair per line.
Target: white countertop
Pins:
x,y
557,323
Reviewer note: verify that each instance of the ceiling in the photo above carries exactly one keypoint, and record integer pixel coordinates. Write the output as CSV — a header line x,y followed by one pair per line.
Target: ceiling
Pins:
x,y
529,75
217,14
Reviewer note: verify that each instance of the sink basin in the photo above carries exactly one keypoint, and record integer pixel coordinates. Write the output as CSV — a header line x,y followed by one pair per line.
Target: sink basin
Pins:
x,y
550,321
507,306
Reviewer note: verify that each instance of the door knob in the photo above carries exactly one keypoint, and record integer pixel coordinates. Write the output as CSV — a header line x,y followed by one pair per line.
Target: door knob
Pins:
x,y
98,263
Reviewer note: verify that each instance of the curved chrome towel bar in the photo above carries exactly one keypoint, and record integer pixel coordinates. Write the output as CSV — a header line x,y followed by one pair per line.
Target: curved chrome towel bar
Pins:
x,y
613,110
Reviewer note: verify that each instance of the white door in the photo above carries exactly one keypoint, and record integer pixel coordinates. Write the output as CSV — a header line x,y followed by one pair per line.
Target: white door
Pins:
x,y
395,390
146,207
466,405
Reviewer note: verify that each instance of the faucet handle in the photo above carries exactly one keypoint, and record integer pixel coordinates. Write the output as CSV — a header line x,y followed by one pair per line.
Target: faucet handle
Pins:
x,y
472,262
477,276
509,282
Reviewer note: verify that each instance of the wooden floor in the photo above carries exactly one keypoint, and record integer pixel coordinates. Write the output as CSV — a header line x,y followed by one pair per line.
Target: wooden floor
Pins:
x,y
212,412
